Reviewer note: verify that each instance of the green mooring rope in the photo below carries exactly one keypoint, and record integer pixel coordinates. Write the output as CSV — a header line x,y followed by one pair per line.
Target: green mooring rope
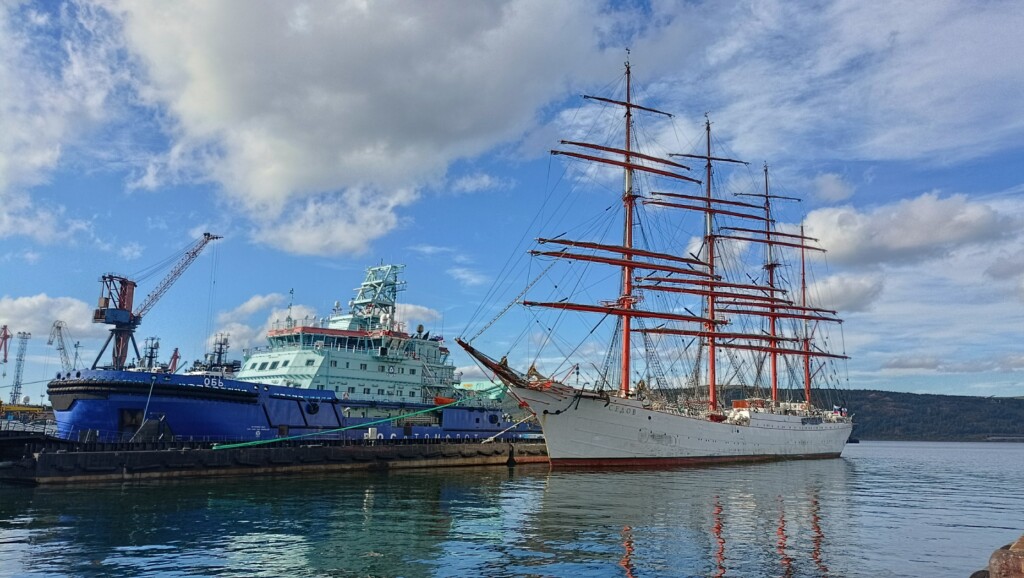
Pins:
x,y
329,431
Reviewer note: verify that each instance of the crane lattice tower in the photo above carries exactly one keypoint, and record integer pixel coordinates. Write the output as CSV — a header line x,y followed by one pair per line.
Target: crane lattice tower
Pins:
x,y
19,366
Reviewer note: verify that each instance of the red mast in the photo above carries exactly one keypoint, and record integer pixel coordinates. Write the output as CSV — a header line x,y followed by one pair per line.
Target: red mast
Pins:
x,y
770,241
626,300
807,334
769,264
709,239
627,254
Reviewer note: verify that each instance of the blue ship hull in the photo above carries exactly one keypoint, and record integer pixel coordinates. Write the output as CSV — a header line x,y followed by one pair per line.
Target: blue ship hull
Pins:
x,y
108,405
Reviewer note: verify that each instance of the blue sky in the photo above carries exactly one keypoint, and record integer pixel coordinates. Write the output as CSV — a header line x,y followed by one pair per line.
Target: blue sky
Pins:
x,y
320,137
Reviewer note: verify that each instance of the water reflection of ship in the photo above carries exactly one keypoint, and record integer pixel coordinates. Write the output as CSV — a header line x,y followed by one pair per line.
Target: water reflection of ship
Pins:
x,y
627,552
313,526
716,530
771,520
785,560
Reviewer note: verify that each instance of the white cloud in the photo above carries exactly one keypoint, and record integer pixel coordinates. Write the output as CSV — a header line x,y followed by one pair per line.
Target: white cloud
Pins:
x,y
240,337
848,292
1009,266
288,102
19,216
862,80
412,315
467,276
477,182
244,336
333,102
1015,361
907,230
254,304
130,251
929,364
912,362
36,314
33,110
832,188
431,249
947,315
57,76
1006,266
472,373
332,224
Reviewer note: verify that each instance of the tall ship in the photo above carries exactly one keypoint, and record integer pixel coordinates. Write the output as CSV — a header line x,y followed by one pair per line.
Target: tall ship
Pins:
x,y
354,374
679,326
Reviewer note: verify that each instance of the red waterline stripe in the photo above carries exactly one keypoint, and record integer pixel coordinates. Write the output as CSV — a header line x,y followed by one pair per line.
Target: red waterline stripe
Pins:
x,y
677,461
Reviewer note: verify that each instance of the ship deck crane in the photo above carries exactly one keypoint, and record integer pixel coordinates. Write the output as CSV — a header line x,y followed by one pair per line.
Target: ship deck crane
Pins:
x,y
116,299
57,339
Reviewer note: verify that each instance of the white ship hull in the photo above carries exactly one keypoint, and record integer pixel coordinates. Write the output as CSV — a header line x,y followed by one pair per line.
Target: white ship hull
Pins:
x,y
582,429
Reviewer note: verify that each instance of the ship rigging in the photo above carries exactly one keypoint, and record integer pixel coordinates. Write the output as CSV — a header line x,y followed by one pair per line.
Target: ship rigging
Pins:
x,y
695,300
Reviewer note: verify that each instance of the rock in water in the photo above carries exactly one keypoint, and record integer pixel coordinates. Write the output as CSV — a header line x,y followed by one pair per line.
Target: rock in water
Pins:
x,y
1008,561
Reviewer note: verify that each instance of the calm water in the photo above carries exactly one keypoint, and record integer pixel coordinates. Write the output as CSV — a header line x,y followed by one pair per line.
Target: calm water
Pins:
x,y
884,509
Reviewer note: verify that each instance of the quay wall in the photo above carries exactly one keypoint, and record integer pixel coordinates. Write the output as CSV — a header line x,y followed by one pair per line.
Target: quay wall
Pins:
x,y
63,467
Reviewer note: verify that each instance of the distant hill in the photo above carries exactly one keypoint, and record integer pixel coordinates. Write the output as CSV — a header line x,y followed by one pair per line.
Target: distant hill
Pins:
x,y
889,415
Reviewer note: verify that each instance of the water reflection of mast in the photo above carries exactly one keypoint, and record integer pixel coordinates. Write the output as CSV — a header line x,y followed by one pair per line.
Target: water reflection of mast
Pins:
x,y
819,536
787,561
627,556
716,529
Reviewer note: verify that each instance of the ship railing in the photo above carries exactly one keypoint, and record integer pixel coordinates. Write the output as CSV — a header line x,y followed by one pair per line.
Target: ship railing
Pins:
x,y
44,427
101,436
250,351
100,444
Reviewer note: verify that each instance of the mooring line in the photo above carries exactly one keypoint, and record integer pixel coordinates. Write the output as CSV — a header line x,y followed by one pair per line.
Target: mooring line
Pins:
x,y
495,436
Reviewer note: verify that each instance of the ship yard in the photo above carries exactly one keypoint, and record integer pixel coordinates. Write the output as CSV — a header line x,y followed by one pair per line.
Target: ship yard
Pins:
x,y
286,408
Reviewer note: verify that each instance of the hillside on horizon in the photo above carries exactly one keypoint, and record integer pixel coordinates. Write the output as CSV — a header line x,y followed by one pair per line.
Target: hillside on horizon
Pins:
x,y
890,415
893,415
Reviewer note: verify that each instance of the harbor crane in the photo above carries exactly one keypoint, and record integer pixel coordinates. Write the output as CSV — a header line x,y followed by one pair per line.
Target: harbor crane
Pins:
x,y
116,300
19,366
57,338
5,338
